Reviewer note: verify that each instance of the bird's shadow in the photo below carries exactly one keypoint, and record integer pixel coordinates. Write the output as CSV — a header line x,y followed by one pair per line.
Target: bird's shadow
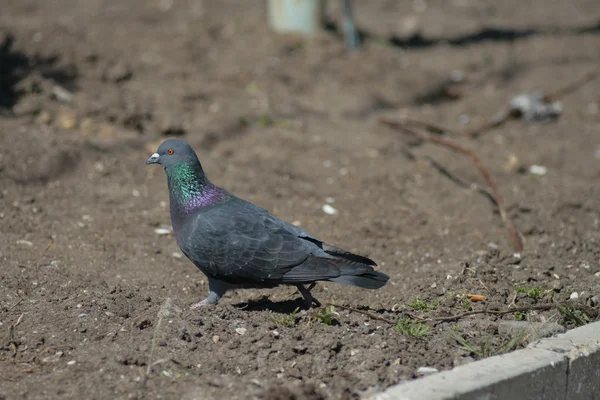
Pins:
x,y
265,304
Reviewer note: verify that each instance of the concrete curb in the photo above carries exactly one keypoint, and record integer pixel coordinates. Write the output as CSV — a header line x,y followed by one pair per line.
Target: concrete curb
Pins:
x,y
565,367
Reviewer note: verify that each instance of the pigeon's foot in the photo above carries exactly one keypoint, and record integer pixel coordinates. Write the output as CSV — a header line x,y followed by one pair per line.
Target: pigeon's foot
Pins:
x,y
217,290
309,300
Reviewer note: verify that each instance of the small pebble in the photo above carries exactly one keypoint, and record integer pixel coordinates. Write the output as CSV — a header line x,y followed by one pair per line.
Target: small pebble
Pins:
x,y
433,285
72,362
177,254
585,265
327,209
354,352
538,170
574,296
215,339
25,242
162,231
241,331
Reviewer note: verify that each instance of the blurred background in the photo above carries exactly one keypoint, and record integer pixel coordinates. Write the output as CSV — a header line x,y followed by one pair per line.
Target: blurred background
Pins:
x,y
88,89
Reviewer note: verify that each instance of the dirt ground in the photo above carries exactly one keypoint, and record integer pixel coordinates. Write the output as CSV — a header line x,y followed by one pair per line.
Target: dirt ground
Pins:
x,y
94,303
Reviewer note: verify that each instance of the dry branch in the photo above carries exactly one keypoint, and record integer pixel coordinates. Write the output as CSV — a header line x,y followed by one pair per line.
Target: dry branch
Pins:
x,y
514,236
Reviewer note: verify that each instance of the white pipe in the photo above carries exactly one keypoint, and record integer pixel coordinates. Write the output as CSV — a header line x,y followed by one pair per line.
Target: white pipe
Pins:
x,y
296,16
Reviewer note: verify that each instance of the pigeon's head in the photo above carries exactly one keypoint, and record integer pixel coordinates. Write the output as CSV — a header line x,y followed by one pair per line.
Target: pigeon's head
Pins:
x,y
173,152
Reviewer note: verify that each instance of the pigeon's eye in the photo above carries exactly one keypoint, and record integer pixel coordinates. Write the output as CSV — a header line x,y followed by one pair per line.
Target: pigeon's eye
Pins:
x,y
170,151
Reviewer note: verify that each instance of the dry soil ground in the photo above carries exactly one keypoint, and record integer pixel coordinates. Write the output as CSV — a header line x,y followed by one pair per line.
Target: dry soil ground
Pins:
x,y
89,88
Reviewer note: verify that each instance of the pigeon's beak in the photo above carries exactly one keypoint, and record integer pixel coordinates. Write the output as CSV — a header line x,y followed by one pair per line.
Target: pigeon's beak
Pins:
x,y
154,159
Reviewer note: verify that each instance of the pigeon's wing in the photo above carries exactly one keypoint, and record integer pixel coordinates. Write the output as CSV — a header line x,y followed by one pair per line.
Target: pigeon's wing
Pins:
x,y
242,243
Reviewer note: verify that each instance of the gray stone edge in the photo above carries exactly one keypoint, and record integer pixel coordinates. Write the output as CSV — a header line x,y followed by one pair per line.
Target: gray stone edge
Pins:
x,y
566,366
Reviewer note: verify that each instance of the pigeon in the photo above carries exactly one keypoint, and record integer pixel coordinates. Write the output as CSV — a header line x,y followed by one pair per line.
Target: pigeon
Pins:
x,y
237,244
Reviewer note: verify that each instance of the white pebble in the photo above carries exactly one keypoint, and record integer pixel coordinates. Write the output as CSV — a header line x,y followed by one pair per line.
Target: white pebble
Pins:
x,y
354,352
327,209
556,276
433,285
25,242
177,254
241,331
275,333
538,170
162,231
135,193
72,362
584,265
426,371
597,274
296,223
574,295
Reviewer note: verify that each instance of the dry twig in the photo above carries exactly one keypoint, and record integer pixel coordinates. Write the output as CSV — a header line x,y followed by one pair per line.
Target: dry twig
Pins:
x,y
363,312
513,234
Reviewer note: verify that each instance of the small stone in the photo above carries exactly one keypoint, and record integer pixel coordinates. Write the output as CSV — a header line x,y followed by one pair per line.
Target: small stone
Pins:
x,y
574,296
215,339
424,371
72,362
240,331
597,274
433,285
327,209
512,165
177,254
162,231
66,118
24,242
61,94
538,170
275,333
557,286
53,358
354,352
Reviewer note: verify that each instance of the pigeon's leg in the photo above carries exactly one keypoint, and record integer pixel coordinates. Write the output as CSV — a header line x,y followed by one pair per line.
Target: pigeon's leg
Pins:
x,y
217,290
308,298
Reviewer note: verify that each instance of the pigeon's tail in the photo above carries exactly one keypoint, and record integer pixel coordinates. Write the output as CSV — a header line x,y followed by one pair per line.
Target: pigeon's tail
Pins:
x,y
367,280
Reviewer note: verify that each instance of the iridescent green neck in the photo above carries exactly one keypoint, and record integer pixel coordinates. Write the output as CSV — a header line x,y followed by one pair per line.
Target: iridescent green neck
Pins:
x,y
189,189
